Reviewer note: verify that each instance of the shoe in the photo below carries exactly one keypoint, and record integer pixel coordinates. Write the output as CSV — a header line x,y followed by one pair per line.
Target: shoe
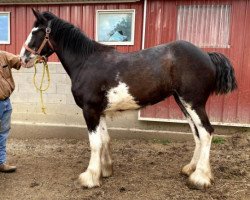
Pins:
x,y
7,168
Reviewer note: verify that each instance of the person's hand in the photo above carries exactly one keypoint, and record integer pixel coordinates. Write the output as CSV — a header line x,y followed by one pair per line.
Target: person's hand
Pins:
x,y
20,62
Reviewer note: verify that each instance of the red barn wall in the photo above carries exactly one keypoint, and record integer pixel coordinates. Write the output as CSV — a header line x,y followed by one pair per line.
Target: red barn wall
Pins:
x,y
231,109
81,15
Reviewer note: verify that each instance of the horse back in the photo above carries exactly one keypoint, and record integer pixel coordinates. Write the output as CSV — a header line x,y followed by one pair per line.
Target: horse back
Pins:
x,y
144,77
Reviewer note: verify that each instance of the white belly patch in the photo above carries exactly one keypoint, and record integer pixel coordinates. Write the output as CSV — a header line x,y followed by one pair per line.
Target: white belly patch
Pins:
x,y
120,99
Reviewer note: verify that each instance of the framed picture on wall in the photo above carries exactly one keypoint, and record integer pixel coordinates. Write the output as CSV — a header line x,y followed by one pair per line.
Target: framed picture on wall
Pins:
x,y
115,27
4,27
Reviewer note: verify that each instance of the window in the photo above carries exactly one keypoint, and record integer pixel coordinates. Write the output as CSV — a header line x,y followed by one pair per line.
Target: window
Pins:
x,y
4,28
204,25
115,27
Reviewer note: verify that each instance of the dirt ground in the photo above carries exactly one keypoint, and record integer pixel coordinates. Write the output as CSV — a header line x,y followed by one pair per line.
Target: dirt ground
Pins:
x,y
48,169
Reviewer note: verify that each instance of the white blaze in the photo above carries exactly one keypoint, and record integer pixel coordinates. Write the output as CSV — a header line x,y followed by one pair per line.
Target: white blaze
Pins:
x,y
23,57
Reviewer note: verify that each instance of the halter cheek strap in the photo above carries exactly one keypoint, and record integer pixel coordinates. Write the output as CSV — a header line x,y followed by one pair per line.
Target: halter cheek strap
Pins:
x,y
46,40
29,49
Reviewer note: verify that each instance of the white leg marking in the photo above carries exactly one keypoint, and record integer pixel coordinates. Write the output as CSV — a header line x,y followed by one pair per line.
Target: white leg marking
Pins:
x,y
91,177
202,176
22,52
189,168
106,160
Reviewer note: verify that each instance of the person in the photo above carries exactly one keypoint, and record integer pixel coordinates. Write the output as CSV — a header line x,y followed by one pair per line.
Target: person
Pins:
x,y
7,85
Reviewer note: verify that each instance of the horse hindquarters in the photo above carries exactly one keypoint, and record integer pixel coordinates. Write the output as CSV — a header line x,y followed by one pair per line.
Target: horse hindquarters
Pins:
x,y
192,99
198,169
100,163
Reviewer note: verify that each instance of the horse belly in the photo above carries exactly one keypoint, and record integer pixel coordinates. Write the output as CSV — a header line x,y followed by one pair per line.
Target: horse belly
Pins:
x,y
120,99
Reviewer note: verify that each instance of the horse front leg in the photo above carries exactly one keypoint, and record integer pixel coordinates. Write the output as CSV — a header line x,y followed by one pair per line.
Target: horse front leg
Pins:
x,y
92,176
106,159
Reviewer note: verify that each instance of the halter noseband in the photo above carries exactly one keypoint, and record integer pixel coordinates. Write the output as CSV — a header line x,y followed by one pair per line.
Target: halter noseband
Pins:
x,y
45,40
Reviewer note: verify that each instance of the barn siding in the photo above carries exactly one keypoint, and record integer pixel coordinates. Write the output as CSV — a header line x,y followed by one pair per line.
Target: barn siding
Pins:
x,y
82,15
243,104
230,109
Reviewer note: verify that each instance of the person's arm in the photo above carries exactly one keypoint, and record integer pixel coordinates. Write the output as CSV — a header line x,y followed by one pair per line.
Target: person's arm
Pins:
x,y
13,60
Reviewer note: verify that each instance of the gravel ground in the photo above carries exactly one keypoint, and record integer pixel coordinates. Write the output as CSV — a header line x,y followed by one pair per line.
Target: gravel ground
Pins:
x,y
143,169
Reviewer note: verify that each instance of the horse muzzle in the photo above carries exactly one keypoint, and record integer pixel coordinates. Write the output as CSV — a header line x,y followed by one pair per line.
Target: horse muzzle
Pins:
x,y
29,62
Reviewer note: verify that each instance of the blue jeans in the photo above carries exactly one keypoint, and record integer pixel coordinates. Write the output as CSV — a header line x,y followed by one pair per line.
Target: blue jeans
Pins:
x,y
5,118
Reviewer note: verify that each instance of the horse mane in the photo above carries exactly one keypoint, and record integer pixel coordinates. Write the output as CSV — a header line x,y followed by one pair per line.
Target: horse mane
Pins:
x,y
72,38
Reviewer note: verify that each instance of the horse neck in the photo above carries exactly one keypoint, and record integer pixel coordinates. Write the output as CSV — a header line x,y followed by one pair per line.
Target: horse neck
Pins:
x,y
70,59
73,59
69,63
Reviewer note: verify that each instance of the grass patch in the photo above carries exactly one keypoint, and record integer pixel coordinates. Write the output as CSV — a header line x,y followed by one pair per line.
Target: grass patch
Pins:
x,y
218,140
164,142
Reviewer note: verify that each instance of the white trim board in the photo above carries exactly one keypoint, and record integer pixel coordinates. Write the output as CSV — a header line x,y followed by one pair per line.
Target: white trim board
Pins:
x,y
185,122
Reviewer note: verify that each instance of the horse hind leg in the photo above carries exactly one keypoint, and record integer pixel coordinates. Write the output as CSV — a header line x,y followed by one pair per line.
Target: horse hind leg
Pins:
x,y
190,167
202,177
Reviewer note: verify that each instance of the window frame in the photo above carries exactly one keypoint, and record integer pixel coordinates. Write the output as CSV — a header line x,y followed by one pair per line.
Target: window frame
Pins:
x,y
208,46
8,15
117,11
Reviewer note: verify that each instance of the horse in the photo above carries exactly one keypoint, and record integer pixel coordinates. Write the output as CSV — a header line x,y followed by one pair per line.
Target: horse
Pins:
x,y
105,81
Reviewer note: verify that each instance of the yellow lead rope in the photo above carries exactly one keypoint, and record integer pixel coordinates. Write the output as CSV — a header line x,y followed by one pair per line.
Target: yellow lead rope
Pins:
x,y
40,88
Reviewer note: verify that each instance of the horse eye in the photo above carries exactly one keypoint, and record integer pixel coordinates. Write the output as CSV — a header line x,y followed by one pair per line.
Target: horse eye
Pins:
x,y
33,33
36,30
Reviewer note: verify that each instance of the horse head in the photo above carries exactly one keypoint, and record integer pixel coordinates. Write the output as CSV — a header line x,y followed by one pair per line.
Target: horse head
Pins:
x,y
37,44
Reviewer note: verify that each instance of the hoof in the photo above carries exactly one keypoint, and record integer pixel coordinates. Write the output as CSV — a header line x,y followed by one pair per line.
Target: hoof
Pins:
x,y
89,179
107,171
188,169
199,181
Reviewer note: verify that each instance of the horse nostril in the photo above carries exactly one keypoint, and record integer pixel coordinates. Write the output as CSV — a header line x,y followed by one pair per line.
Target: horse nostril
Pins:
x,y
27,60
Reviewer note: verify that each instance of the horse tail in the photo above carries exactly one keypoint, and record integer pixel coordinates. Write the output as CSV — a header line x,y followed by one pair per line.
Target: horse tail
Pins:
x,y
225,77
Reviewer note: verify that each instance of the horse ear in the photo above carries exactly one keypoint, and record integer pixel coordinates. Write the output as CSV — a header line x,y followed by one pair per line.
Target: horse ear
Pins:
x,y
39,16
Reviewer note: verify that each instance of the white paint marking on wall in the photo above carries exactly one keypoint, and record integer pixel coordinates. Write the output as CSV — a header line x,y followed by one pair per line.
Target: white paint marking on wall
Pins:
x,y
120,99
